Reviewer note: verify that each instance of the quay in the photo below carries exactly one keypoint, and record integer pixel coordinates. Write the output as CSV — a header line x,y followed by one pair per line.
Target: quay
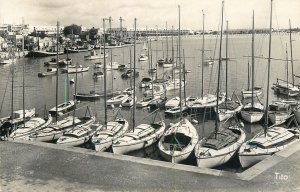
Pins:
x,y
36,166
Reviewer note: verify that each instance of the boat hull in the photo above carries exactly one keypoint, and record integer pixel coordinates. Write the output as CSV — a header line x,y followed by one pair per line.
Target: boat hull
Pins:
x,y
252,117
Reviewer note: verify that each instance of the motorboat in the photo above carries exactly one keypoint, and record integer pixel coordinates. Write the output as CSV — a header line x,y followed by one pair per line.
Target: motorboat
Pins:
x,y
94,55
174,84
129,73
128,91
156,90
143,57
117,100
104,137
285,88
145,82
78,69
98,74
141,137
92,95
279,112
128,102
49,72
178,142
257,91
174,102
63,108
4,61
145,101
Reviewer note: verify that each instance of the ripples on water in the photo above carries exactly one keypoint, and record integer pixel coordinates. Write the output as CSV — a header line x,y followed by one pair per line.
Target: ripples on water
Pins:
x,y
40,92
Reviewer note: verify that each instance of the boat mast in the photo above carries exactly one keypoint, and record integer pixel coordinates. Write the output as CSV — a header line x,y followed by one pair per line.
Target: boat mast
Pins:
x,y
287,68
104,65
219,69
291,48
226,62
12,85
156,53
184,76
173,75
167,43
68,89
252,58
112,74
202,82
134,62
179,56
23,97
56,99
269,64
75,101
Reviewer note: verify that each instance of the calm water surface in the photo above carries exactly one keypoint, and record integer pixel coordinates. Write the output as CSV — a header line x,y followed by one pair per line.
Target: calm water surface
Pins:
x,y
40,92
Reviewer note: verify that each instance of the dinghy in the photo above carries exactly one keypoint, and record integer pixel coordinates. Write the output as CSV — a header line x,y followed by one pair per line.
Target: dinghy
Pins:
x,y
117,100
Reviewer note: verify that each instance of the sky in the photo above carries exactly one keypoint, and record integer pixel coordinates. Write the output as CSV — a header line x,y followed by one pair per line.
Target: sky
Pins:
x,y
89,13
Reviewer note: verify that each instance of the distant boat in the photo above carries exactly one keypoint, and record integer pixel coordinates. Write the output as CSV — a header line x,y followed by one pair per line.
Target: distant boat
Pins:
x,y
144,102
45,53
61,62
286,88
93,55
117,100
98,74
129,73
79,69
5,61
63,108
145,82
78,49
92,95
143,57
49,72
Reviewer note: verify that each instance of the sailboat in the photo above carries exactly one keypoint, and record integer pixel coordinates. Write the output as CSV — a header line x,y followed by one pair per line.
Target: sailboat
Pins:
x,y
107,133
10,123
254,111
270,140
68,105
34,123
140,136
143,56
178,142
207,101
78,133
221,145
228,108
56,129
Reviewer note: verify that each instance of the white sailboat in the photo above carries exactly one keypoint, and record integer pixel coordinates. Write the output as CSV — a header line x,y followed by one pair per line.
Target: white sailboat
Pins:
x,y
179,140
270,140
228,108
221,145
206,101
140,136
254,111
279,112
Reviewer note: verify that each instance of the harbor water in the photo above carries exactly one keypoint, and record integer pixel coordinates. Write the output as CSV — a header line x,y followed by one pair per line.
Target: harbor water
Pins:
x,y
40,92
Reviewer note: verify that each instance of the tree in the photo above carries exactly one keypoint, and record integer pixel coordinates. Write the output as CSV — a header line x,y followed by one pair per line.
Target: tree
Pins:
x,y
93,33
72,29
